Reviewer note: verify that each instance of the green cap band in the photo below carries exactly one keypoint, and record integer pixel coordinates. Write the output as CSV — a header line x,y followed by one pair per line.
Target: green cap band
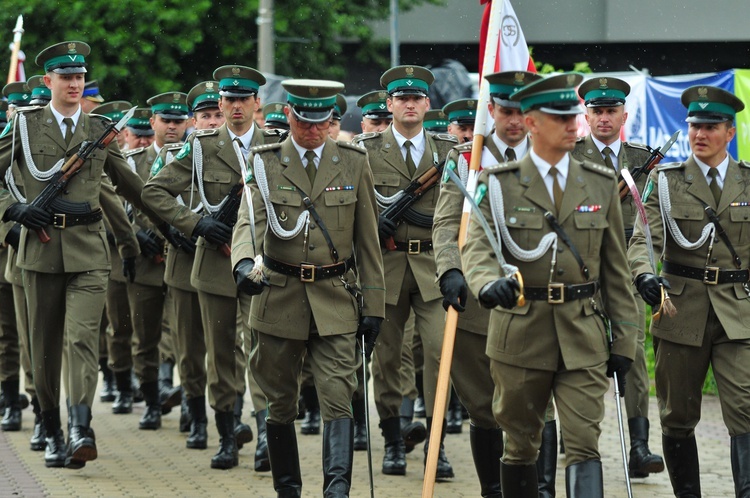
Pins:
x,y
711,107
609,93
63,59
229,83
411,83
276,116
174,106
139,122
552,96
375,107
500,89
115,115
436,123
463,113
18,97
41,91
206,96
309,103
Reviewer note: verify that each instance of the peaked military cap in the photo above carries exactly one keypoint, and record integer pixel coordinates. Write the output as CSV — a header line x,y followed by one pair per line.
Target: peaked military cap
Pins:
x,y
312,100
710,104
40,94
140,123
407,80
64,58
204,95
506,83
604,92
553,95
170,105
91,91
339,108
114,110
461,111
374,105
238,81
274,115
3,113
17,93
436,120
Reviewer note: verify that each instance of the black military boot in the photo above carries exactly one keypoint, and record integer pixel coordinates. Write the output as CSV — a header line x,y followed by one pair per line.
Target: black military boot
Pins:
x,y
394,460
107,394
740,451
242,432
642,461
360,424
55,452
284,458
151,419
487,448
12,414
444,467
584,480
185,417
124,400
681,456
419,406
454,416
169,396
81,443
412,433
546,463
137,393
262,463
198,437
519,481
338,454
227,457
311,422
37,442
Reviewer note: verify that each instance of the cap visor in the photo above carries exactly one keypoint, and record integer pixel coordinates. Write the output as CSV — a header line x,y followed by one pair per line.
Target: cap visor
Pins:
x,y
140,132
708,118
237,94
399,92
312,116
575,109
70,70
506,103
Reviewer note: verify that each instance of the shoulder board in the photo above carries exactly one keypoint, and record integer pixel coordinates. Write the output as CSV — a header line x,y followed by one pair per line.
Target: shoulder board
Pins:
x,y
744,164
502,167
349,145
132,152
30,108
446,137
580,140
598,168
464,147
264,148
206,132
634,145
365,136
667,166
274,132
173,147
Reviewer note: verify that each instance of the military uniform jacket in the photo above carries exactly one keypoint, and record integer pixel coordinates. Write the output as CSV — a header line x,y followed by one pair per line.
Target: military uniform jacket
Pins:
x,y
212,271
117,222
391,176
343,195
631,156
77,248
535,334
692,298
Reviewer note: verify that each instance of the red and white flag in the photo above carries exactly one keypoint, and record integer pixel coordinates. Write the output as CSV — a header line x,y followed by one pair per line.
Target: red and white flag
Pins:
x,y
509,44
20,73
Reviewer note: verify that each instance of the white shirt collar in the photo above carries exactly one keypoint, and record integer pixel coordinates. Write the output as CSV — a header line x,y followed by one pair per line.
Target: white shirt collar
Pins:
x,y
244,139
543,166
59,117
721,168
417,142
157,149
301,151
519,149
615,146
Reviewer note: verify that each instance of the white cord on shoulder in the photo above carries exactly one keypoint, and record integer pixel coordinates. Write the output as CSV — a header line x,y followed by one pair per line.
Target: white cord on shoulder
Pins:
x,y
273,221
35,172
10,181
198,168
665,204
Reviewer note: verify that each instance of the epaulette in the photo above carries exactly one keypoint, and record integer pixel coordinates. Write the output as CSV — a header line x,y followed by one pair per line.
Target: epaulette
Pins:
x,y
446,137
599,168
580,139
206,132
365,136
264,148
634,145
275,132
502,167
666,166
173,147
30,108
744,164
132,152
103,118
464,147
349,145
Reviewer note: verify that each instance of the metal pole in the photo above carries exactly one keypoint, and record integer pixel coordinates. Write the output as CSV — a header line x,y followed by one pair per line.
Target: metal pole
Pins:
x,y
367,419
266,62
395,44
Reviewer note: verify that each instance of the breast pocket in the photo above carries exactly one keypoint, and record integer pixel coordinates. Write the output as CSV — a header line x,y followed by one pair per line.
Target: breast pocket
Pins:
x,y
525,228
217,184
591,227
740,217
341,204
387,184
690,218
286,204
49,154
95,164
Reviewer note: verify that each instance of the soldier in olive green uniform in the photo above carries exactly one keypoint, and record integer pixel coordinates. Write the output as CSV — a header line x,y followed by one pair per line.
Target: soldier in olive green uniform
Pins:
x,y
605,114
314,211
398,156
555,343
375,114
217,156
436,121
699,215
66,278
40,94
274,116
461,115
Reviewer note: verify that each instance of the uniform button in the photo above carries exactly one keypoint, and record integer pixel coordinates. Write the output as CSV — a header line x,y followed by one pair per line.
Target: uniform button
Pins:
x,y
341,200
593,224
714,260
312,226
512,219
283,200
523,223
312,247
560,249
560,271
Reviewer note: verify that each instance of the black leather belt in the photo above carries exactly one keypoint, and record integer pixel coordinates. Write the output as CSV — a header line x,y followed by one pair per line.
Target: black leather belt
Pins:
x,y
307,272
65,220
560,293
710,275
414,246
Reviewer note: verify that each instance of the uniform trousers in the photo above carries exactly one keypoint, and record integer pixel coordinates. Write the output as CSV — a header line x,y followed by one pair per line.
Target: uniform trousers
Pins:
x,y
10,350
22,324
471,377
189,341
219,316
120,331
243,367
146,310
636,380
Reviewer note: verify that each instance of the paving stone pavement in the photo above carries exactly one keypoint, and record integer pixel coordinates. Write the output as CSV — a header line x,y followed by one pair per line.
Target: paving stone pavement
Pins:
x,y
135,463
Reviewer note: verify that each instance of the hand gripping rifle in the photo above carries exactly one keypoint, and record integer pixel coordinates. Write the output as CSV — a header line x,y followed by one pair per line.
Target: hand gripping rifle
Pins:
x,y
227,212
60,180
416,189
656,156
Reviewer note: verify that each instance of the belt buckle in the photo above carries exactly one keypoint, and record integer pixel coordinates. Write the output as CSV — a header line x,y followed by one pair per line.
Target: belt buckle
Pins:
x,y
58,220
551,289
706,273
306,273
412,245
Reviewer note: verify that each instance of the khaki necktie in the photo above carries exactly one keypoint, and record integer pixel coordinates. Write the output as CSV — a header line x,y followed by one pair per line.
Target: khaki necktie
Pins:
x,y
68,122
409,160
714,184
242,148
510,154
557,192
607,152
310,166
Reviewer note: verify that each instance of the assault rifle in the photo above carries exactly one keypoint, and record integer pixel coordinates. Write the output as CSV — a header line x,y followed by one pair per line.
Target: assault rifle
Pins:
x,y
227,213
411,194
60,180
656,156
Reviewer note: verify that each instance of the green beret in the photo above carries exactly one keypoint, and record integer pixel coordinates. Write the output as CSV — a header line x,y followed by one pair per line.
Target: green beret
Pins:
x,y
140,123
170,105
462,111
407,80
312,100
17,93
64,58
710,104
604,92
374,105
506,83
238,81
274,115
204,95
114,110
552,95
436,120
339,108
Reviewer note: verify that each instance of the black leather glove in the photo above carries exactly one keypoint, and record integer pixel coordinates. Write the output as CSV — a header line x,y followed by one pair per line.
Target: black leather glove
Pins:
x,y
502,292
649,287
13,237
148,243
111,238
241,278
32,217
454,291
619,365
128,268
213,231
386,228
368,330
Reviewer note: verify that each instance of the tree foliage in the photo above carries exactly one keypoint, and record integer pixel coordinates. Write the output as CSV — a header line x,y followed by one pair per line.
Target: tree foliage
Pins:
x,y
144,47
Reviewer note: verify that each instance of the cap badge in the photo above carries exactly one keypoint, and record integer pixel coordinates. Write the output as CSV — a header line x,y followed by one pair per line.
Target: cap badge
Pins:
x,y
209,86
313,91
409,71
278,107
382,95
409,82
602,83
519,78
71,47
703,92
471,104
175,97
703,105
571,79
235,71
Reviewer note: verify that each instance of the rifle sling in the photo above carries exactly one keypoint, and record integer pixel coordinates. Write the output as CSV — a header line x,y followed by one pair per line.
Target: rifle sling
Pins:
x,y
722,233
568,242
314,213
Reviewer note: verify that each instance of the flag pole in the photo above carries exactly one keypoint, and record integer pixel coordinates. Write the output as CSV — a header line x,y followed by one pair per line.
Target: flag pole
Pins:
x,y
451,321
13,71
